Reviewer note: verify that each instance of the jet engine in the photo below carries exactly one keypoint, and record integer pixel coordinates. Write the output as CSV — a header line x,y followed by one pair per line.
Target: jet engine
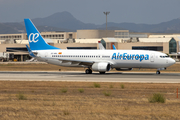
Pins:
x,y
124,69
101,67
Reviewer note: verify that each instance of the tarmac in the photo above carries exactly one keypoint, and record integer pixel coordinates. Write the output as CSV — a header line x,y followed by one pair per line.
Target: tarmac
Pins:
x,y
80,76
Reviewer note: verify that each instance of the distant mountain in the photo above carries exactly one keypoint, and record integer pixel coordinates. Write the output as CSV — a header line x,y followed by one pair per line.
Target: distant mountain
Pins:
x,y
172,26
64,21
7,28
13,28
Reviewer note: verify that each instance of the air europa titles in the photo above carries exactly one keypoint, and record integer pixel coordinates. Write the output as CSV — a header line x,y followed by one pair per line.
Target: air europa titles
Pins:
x,y
125,56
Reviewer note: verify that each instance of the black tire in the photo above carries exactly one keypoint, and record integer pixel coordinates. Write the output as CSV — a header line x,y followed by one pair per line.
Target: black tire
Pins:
x,y
158,72
102,72
88,71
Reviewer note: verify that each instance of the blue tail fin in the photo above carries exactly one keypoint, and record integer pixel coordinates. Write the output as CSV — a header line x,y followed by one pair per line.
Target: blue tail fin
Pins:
x,y
36,41
114,48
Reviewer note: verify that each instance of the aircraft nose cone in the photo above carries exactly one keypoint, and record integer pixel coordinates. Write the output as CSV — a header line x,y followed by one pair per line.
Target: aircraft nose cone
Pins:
x,y
172,61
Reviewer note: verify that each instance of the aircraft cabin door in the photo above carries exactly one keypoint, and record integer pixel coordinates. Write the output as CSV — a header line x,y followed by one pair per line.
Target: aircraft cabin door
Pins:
x,y
152,57
46,54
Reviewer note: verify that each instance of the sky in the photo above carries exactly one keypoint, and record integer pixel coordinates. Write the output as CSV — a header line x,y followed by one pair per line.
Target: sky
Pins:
x,y
91,11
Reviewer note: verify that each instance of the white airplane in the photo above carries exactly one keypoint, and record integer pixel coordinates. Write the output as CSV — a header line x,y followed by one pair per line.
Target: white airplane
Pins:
x,y
94,60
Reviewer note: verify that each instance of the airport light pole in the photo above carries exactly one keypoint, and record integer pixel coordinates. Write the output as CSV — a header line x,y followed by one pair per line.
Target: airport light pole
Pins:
x,y
106,13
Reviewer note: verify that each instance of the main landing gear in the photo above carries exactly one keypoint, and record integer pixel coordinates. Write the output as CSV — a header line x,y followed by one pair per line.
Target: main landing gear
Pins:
x,y
158,72
102,72
88,71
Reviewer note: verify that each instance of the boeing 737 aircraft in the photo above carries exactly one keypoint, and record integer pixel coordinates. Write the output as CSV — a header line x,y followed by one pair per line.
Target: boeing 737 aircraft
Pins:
x,y
94,60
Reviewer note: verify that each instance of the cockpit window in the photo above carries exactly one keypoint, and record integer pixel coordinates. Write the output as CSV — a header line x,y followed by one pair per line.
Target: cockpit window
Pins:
x,y
165,56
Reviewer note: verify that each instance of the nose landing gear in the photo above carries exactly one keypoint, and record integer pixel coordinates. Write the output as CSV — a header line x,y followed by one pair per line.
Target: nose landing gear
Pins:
x,y
158,72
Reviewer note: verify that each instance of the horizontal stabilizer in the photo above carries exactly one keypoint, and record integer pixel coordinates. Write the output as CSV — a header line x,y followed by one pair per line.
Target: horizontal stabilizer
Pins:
x,y
30,52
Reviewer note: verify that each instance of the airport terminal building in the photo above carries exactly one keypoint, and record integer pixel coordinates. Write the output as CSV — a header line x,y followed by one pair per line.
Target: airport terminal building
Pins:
x,y
12,44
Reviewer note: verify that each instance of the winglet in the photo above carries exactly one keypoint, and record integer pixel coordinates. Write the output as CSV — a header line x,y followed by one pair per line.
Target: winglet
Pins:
x,y
36,41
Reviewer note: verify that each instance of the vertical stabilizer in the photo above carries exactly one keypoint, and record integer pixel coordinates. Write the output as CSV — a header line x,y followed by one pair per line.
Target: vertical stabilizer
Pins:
x,y
36,41
101,47
114,48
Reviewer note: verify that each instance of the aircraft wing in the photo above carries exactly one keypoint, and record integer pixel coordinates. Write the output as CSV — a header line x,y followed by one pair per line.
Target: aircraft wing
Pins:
x,y
79,62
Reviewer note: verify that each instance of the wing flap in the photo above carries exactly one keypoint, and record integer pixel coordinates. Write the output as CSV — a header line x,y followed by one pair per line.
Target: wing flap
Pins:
x,y
89,63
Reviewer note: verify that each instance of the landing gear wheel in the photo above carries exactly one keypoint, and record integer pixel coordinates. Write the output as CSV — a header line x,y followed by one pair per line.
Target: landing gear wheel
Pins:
x,y
88,71
158,72
102,72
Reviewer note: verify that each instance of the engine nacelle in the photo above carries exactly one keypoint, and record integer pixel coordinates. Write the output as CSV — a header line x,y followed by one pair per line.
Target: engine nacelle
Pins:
x,y
101,67
124,69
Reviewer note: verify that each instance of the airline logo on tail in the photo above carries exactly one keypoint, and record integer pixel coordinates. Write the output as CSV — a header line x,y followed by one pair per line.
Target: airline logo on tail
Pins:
x,y
33,37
